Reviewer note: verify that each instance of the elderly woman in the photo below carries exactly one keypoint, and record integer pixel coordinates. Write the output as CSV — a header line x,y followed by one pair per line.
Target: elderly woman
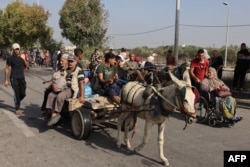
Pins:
x,y
213,84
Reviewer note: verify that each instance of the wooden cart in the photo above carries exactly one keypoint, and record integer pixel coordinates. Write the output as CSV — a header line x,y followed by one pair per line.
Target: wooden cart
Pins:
x,y
95,110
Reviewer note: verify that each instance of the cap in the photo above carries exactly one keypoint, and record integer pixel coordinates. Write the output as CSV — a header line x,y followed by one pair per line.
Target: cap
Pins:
x,y
65,56
150,58
206,54
15,46
72,57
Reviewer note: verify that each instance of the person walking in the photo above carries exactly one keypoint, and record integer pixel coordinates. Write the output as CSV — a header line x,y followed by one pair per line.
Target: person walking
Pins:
x,y
14,70
217,63
242,65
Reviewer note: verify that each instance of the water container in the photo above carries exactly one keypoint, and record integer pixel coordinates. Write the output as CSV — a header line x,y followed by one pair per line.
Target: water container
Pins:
x,y
88,91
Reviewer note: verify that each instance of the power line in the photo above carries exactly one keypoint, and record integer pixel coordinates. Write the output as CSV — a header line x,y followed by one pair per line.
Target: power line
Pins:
x,y
147,32
186,25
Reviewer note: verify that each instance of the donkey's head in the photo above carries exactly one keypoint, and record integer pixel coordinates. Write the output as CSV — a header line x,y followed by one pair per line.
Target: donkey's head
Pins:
x,y
187,96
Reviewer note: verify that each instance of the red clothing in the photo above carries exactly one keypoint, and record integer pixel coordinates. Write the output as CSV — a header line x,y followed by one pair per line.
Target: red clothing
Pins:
x,y
199,68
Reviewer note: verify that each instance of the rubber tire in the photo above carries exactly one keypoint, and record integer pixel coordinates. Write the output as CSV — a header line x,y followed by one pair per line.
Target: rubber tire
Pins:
x,y
212,122
81,123
201,110
132,123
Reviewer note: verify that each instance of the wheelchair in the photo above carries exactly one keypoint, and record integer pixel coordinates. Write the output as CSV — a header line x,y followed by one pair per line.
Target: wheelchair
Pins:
x,y
206,111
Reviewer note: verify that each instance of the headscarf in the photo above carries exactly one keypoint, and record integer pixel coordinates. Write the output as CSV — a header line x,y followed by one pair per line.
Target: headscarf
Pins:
x,y
209,84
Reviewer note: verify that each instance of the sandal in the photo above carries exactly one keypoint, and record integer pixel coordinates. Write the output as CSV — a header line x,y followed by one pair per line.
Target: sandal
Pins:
x,y
54,120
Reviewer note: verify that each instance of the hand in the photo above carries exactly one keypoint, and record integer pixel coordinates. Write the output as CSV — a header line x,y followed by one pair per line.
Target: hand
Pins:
x,y
54,87
197,80
23,57
110,81
81,99
6,83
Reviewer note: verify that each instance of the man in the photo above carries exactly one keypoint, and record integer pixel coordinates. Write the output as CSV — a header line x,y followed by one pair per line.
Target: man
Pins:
x,y
61,72
79,55
242,65
16,65
82,62
198,68
217,63
75,89
131,68
108,77
170,61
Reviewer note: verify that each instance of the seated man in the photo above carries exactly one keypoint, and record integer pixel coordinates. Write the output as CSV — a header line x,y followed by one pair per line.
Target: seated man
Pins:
x,y
131,68
75,86
150,69
211,84
108,77
55,78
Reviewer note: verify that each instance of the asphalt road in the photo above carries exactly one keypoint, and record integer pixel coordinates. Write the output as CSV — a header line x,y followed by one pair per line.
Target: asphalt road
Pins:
x,y
26,141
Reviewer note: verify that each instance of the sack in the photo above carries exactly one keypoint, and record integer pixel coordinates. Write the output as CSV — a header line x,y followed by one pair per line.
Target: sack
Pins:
x,y
223,93
95,84
228,107
59,79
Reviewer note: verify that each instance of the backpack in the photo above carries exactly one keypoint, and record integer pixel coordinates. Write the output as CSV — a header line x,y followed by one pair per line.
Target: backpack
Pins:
x,y
228,106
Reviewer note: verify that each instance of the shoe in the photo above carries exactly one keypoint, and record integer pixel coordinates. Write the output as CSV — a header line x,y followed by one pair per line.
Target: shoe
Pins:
x,y
54,120
237,119
19,112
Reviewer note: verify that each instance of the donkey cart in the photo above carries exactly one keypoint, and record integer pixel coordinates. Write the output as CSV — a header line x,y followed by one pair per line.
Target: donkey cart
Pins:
x,y
94,110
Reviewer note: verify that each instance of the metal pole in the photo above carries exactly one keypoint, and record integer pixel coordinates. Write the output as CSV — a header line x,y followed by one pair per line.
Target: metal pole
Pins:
x,y
226,4
176,41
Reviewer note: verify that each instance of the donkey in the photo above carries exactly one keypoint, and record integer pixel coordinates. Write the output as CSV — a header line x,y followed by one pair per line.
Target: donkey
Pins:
x,y
155,108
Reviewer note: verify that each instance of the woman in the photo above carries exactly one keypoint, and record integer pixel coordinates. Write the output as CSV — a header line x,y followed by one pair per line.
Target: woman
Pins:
x,y
213,85
212,82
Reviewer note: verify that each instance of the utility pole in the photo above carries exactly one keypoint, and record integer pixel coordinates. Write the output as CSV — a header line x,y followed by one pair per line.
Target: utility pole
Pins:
x,y
176,41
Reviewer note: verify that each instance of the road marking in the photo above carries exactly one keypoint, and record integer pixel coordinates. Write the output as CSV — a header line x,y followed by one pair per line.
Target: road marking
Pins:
x,y
20,124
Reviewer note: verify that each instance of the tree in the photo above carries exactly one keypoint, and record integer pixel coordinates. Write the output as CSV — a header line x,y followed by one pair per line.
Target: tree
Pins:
x,y
23,24
84,22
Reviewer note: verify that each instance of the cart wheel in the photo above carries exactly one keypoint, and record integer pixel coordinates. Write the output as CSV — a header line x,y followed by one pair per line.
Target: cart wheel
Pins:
x,y
131,124
81,123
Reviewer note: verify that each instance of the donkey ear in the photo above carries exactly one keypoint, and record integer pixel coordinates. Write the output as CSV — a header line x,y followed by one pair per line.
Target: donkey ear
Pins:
x,y
176,80
186,77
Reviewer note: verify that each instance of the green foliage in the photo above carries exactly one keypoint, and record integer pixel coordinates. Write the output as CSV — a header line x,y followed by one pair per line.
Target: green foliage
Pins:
x,y
23,24
83,22
186,53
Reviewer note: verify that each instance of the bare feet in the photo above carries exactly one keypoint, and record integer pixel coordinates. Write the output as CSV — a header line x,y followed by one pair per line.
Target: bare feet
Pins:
x,y
19,112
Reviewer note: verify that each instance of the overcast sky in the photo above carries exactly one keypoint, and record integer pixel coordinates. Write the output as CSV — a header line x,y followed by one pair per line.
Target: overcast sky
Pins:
x,y
151,23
